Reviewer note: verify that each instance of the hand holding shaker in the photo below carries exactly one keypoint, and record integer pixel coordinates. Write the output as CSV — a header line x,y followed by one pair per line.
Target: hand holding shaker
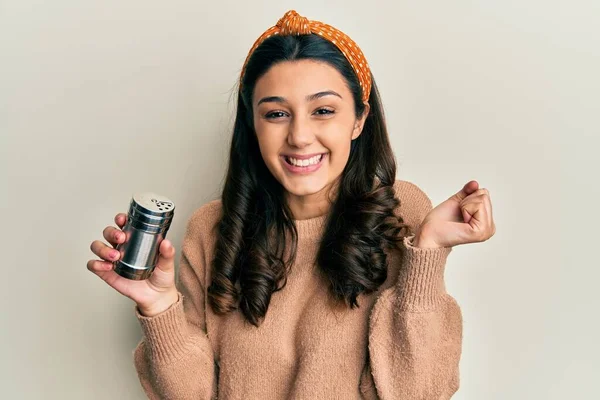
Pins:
x,y
148,221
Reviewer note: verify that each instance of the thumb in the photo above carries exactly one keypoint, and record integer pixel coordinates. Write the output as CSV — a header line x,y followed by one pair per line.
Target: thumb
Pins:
x,y
469,188
166,256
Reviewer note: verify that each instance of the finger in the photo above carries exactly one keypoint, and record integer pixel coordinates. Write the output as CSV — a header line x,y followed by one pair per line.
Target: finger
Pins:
x,y
166,256
99,266
490,218
467,189
475,194
472,213
479,221
469,204
114,280
121,220
113,235
103,251
483,196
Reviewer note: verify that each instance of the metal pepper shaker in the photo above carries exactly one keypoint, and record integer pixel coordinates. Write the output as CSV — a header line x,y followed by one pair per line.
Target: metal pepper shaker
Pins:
x,y
148,221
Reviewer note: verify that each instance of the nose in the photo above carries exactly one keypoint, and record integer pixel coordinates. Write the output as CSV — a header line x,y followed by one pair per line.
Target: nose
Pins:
x,y
300,133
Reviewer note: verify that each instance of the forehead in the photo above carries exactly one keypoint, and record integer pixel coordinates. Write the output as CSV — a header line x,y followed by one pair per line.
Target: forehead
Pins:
x,y
297,79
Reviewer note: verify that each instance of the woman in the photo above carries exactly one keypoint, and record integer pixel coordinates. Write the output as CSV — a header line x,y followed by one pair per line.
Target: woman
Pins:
x,y
317,275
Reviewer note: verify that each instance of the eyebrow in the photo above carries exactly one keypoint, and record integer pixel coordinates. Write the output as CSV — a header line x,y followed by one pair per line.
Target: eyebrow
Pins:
x,y
311,97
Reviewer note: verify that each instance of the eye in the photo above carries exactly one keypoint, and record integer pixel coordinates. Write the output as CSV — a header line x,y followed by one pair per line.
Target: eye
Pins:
x,y
324,111
275,115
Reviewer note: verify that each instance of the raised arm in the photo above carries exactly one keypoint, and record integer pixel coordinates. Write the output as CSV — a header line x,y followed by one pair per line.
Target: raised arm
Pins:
x,y
415,329
175,360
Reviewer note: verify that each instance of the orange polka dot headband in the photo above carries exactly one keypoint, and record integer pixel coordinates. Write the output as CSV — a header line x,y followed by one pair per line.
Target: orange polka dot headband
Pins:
x,y
294,24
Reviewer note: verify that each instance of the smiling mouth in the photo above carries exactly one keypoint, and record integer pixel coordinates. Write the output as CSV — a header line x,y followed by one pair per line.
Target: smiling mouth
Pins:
x,y
304,163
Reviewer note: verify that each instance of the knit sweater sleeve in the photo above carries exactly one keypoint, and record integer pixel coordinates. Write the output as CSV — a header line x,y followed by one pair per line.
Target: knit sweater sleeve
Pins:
x,y
174,359
415,328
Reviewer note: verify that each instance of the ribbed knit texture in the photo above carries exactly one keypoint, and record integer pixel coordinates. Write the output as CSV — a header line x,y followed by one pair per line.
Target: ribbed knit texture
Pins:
x,y
167,334
403,342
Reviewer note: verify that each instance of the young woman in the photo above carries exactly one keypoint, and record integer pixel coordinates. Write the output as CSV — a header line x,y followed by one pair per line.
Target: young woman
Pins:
x,y
317,275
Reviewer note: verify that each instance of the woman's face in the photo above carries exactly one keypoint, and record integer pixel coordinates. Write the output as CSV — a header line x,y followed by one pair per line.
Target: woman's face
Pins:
x,y
304,118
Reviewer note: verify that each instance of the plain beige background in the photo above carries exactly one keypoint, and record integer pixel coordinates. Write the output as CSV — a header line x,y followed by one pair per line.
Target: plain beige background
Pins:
x,y
101,99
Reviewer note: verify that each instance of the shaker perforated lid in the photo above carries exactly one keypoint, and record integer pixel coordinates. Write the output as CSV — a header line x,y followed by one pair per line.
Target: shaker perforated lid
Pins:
x,y
151,212
153,204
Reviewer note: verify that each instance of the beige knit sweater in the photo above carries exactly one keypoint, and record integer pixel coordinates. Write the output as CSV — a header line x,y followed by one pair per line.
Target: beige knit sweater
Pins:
x,y
403,342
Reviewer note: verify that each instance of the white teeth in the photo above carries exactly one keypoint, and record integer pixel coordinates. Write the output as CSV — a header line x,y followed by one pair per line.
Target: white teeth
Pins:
x,y
305,163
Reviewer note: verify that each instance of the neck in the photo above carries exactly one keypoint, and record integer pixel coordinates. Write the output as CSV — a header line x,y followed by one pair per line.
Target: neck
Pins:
x,y
307,208
310,206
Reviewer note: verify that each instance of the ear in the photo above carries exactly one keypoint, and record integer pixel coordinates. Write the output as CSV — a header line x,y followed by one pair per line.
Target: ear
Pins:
x,y
360,122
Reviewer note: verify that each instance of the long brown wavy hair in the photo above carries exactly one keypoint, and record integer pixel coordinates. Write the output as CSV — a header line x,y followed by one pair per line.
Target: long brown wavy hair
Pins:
x,y
257,225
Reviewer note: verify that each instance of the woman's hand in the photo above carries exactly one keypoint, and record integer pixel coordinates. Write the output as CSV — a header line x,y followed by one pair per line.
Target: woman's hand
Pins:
x,y
153,295
466,217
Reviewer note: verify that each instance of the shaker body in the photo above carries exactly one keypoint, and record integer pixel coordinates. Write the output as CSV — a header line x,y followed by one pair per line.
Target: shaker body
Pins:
x,y
148,221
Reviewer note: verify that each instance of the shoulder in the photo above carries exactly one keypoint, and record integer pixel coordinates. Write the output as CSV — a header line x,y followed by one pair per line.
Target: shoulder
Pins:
x,y
198,243
204,220
414,202
197,247
202,223
206,216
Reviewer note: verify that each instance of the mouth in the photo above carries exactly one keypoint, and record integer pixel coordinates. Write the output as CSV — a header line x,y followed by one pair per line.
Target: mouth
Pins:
x,y
304,165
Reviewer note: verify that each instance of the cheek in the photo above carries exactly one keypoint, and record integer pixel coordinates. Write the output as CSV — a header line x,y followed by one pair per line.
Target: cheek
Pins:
x,y
269,144
268,137
339,150
339,159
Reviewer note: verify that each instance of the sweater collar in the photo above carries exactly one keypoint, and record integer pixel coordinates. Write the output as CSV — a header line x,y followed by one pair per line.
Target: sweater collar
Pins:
x,y
311,228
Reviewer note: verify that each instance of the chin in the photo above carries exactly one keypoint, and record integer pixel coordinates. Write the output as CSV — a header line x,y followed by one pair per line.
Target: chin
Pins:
x,y
304,187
